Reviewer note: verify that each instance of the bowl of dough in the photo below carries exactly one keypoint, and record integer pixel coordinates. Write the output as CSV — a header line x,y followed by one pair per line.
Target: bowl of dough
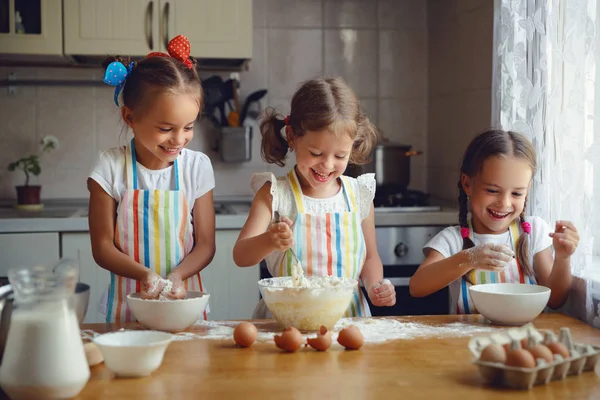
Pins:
x,y
509,303
316,301
168,315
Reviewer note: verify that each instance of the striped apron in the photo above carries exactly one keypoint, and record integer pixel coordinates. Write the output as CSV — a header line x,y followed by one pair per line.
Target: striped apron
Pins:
x,y
154,228
513,273
329,244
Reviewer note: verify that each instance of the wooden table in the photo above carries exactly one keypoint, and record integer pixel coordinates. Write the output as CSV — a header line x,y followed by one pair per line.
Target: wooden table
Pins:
x,y
410,369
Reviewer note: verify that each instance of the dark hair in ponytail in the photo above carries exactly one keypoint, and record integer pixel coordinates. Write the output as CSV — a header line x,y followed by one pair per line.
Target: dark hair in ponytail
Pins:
x,y
319,104
488,144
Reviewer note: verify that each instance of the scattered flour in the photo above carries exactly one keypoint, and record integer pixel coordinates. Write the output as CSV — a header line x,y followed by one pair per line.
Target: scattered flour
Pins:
x,y
374,330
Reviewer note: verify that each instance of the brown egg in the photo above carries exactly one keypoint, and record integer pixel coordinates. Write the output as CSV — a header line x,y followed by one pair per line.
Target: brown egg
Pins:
x,y
541,351
351,338
493,353
245,334
558,348
322,341
524,342
290,339
519,357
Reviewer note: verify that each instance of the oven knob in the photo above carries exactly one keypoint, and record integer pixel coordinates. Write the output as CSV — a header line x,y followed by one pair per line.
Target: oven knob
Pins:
x,y
401,250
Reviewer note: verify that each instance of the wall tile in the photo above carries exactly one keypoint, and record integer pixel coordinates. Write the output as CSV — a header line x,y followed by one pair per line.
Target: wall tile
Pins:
x,y
259,13
403,63
402,14
352,54
294,14
350,14
294,56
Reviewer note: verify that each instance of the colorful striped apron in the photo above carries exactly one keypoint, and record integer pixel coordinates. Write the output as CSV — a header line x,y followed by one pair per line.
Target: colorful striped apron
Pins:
x,y
154,228
513,273
330,244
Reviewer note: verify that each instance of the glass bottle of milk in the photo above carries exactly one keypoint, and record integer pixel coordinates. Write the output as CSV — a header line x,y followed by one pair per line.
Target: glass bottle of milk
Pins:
x,y
44,356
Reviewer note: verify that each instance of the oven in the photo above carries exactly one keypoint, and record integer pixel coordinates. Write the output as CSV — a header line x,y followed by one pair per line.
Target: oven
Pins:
x,y
400,249
401,252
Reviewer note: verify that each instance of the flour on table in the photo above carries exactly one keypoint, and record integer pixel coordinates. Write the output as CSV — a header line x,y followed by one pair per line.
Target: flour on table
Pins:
x,y
374,330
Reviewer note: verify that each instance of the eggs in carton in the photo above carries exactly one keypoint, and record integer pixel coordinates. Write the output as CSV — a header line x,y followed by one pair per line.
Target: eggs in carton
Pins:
x,y
505,361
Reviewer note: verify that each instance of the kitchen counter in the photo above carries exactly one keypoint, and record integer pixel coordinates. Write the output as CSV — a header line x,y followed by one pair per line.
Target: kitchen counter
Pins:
x,y
71,216
428,368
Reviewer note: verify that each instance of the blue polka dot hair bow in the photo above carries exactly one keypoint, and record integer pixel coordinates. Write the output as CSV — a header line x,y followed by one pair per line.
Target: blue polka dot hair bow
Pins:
x,y
115,75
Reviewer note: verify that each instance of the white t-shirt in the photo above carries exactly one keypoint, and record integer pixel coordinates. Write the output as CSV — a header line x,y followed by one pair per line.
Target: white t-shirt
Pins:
x,y
197,174
449,242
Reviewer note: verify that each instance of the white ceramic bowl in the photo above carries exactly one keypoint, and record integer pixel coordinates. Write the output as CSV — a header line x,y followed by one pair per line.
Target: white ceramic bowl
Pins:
x,y
168,315
509,303
307,308
132,354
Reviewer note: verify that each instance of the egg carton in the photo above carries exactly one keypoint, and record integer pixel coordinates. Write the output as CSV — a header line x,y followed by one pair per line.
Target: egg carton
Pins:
x,y
582,358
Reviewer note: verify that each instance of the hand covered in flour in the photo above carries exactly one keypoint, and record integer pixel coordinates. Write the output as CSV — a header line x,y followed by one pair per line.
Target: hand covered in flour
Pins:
x,y
382,294
564,239
280,234
151,286
489,256
174,290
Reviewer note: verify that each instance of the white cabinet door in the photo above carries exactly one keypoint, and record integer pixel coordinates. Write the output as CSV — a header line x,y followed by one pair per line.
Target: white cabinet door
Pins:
x,y
97,27
233,290
43,27
78,247
28,250
215,29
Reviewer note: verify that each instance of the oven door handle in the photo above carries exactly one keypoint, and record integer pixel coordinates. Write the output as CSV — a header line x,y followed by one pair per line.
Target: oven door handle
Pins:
x,y
401,282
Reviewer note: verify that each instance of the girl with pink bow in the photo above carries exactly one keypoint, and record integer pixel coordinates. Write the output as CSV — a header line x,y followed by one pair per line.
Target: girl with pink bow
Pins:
x,y
497,242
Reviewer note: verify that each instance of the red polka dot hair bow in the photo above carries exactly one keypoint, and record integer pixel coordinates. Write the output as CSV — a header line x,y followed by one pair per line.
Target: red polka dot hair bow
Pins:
x,y
179,48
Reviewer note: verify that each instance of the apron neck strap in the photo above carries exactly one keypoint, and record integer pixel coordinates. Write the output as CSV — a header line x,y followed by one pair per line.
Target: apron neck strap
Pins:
x,y
349,193
131,169
296,190
130,166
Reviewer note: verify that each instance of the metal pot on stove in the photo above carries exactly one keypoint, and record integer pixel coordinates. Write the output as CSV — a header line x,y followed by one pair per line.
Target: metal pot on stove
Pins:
x,y
390,162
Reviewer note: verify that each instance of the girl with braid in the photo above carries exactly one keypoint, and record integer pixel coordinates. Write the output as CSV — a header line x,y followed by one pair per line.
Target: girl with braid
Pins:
x,y
496,242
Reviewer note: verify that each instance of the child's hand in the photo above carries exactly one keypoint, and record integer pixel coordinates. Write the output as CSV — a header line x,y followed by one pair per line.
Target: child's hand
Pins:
x,y
177,291
383,293
489,256
564,239
280,234
151,286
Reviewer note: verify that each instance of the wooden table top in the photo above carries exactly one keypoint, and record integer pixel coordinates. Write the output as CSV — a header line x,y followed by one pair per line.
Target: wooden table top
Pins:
x,y
431,368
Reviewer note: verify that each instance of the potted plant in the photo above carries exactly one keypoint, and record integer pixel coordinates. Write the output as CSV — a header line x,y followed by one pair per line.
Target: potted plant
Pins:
x,y
28,196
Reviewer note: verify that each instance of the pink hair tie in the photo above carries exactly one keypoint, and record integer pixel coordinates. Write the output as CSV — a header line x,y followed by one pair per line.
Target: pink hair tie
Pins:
x,y
526,227
464,232
286,120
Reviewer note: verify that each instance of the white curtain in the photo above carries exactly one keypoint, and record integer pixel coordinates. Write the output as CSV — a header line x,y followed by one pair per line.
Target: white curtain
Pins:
x,y
544,86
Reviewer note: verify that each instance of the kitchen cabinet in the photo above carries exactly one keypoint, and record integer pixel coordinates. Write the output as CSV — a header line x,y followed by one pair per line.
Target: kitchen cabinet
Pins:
x,y
27,250
216,29
31,27
77,246
233,290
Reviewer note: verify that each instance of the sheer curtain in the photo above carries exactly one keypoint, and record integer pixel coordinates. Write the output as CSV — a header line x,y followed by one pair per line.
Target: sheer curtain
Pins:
x,y
544,86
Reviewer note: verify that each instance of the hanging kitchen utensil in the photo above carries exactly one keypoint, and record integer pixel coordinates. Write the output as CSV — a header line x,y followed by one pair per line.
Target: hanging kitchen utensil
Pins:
x,y
233,118
253,97
215,96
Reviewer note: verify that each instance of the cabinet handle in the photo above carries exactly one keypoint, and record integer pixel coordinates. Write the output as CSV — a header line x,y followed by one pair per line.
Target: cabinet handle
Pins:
x,y
165,25
149,18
